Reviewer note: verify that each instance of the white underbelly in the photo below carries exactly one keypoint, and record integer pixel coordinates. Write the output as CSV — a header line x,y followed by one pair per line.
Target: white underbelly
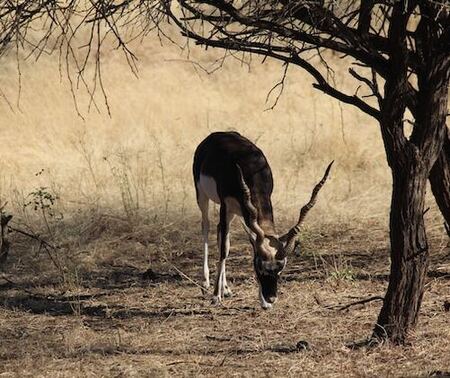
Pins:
x,y
208,186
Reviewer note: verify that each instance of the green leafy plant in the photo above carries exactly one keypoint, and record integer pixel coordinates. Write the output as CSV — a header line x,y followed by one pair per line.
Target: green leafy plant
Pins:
x,y
42,200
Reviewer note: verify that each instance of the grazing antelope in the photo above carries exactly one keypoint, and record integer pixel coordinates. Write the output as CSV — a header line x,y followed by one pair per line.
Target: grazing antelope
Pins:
x,y
231,171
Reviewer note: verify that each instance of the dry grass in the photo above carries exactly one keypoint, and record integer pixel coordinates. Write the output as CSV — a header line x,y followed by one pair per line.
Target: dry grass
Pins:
x,y
119,322
125,202
158,120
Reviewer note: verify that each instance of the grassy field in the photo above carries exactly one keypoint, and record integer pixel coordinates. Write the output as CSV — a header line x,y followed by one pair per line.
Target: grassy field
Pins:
x,y
115,291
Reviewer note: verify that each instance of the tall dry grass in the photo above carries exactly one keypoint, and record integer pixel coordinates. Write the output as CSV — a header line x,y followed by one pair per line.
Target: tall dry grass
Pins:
x,y
138,161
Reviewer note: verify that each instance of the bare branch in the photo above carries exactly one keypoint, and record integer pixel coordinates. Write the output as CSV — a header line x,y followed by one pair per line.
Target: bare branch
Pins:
x,y
372,84
280,85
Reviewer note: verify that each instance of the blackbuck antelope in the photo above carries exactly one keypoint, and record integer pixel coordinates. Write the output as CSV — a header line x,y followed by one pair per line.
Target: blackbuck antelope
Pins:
x,y
231,171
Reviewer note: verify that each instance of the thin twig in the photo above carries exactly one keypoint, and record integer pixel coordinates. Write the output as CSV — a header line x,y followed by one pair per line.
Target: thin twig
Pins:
x,y
187,277
348,305
47,246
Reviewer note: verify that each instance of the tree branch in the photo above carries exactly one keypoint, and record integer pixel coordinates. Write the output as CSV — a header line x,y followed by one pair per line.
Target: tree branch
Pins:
x,y
354,49
285,54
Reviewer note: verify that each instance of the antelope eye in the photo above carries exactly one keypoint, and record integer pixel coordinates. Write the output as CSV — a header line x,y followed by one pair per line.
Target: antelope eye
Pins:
x,y
258,265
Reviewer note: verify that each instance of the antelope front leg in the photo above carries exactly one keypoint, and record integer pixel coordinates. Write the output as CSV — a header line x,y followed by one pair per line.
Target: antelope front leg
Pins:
x,y
223,241
218,287
226,290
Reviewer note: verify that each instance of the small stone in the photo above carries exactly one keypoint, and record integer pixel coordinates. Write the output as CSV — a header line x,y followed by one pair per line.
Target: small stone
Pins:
x,y
302,345
446,306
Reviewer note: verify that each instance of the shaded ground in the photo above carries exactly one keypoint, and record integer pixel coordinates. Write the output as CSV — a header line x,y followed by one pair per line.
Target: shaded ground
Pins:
x,y
134,309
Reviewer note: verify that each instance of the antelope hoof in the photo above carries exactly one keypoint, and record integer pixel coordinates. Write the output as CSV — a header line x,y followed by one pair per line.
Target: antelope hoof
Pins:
x,y
215,301
205,287
227,292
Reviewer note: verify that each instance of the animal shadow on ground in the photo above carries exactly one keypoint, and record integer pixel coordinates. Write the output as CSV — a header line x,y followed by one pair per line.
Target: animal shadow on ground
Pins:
x,y
61,305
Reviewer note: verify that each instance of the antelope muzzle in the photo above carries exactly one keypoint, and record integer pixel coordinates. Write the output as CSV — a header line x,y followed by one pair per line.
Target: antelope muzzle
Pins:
x,y
267,274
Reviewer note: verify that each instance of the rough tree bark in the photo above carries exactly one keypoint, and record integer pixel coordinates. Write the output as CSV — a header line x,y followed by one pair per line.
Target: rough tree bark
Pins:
x,y
4,243
411,161
440,182
409,247
409,253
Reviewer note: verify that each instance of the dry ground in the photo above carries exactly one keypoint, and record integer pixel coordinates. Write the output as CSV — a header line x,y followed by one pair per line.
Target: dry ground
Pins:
x,y
118,319
123,203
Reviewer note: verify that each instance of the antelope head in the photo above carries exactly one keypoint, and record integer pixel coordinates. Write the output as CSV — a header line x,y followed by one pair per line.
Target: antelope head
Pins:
x,y
271,251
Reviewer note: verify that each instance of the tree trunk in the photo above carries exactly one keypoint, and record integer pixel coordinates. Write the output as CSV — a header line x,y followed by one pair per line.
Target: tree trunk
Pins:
x,y
409,253
433,81
440,182
411,161
4,243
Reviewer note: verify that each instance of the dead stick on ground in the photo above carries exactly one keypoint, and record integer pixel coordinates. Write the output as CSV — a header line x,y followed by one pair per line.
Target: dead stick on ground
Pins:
x,y
42,242
186,276
362,301
179,362
32,236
